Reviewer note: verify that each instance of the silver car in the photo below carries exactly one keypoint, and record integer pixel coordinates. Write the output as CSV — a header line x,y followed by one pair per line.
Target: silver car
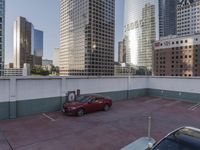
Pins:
x,y
184,138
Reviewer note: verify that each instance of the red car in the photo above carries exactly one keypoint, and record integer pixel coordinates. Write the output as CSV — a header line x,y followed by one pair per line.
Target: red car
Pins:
x,y
86,104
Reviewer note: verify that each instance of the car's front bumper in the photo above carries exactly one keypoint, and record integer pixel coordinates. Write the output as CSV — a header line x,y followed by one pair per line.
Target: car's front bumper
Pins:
x,y
69,111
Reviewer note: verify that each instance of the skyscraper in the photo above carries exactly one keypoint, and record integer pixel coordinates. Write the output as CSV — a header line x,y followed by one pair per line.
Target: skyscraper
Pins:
x,y
87,37
188,17
167,17
28,44
2,36
121,52
56,57
140,30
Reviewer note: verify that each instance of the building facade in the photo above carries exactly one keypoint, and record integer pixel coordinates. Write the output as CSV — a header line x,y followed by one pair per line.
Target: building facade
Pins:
x,y
121,52
122,69
87,37
56,57
38,43
2,36
167,17
47,62
188,17
141,29
25,71
177,56
28,44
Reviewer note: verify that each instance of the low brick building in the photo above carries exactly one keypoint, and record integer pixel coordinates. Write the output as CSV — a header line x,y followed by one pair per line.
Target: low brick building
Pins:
x,y
177,56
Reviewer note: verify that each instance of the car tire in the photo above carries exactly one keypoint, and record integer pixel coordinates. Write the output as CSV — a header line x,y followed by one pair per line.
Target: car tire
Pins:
x,y
106,107
80,112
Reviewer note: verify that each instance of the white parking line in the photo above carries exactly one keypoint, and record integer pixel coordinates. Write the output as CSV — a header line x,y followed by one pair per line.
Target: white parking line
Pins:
x,y
45,115
194,106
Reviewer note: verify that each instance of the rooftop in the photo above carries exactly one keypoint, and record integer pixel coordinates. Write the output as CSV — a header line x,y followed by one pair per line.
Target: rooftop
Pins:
x,y
112,130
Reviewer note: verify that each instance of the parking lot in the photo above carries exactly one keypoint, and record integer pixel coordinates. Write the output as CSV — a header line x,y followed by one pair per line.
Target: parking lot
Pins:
x,y
111,130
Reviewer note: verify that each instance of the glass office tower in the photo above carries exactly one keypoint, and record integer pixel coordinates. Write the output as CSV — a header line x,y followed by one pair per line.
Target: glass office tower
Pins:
x,y
28,44
38,43
167,17
87,37
141,29
2,36
22,39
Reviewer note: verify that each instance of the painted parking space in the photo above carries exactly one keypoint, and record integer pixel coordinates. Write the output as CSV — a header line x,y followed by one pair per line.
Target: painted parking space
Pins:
x,y
112,130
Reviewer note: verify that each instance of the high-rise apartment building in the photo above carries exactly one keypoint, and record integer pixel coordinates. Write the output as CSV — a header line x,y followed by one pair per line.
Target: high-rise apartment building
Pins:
x,y
28,44
2,36
188,17
141,28
167,17
87,37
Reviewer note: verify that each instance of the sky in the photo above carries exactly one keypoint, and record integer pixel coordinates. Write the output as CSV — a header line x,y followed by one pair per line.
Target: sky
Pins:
x,y
44,15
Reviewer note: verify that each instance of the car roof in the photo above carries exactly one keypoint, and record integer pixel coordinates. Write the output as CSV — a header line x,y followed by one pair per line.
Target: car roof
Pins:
x,y
95,95
191,131
189,136
186,134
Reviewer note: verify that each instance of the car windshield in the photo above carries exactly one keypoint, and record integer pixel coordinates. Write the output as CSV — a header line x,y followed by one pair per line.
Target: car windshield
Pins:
x,y
83,99
172,144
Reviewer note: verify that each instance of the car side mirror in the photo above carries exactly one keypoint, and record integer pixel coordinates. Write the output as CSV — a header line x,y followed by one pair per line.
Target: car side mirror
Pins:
x,y
150,145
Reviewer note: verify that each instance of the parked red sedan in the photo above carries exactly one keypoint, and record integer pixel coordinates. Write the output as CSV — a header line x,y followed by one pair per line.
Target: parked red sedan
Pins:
x,y
86,104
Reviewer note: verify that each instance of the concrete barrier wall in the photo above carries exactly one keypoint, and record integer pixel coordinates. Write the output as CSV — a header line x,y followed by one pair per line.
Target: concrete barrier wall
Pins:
x,y
175,84
23,96
37,88
4,98
182,88
4,90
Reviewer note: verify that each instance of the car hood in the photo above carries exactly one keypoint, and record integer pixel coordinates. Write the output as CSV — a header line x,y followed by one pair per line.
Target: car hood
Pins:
x,y
73,104
140,144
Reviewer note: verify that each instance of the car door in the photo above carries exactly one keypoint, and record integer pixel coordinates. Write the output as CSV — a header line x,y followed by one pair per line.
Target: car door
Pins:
x,y
90,106
99,103
93,105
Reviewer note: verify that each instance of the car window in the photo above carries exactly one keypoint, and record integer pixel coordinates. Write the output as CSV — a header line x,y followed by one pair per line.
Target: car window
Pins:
x,y
94,99
171,144
83,99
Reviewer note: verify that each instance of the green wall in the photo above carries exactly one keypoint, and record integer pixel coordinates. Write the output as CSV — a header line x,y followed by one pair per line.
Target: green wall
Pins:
x,y
36,106
4,110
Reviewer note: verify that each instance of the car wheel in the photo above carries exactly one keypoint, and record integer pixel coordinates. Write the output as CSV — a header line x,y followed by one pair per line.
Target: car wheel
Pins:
x,y
106,107
80,112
